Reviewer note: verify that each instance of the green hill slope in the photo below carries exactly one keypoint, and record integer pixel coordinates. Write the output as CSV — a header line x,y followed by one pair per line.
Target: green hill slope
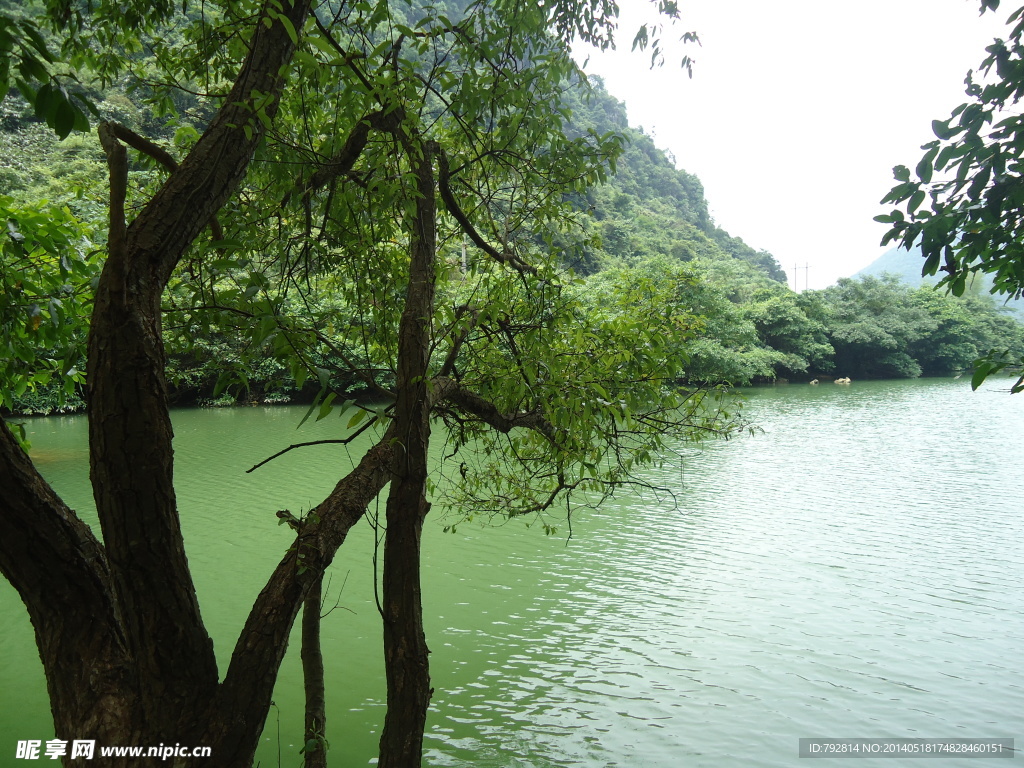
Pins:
x,y
649,207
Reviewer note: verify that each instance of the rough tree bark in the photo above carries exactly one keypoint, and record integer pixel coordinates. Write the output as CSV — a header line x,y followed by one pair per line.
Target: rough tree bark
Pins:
x,y
131,457
313,679
405,645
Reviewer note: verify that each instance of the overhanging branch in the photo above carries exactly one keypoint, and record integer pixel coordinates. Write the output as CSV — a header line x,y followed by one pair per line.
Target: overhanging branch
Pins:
x,y
448,390
448,197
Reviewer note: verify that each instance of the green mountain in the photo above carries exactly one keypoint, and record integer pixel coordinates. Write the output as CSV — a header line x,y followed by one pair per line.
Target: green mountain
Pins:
x,y
651,208
906,265
900,262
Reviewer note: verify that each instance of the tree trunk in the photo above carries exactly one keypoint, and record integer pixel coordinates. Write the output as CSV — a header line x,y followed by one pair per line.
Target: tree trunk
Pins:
x,y
313,678
60,570
126,656
405,646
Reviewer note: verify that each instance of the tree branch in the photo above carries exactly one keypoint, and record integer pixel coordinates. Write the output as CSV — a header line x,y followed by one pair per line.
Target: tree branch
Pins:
x,y
447,390
130,434
263,641
117,164
448,367
158,153
453,207
342,441
60,570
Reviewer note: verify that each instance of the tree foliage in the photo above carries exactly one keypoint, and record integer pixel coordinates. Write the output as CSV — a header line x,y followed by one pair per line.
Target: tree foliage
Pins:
x,y
48,265
962,203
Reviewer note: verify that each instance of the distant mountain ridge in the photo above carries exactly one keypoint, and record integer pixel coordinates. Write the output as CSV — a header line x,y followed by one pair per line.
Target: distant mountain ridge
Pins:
x,y
649,207
907,266
899,261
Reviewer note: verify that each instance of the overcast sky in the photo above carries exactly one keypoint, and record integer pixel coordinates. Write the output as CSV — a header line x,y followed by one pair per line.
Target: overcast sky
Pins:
x,y
799,109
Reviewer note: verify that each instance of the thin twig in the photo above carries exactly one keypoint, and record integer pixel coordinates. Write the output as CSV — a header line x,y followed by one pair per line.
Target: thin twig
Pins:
x,y
340,441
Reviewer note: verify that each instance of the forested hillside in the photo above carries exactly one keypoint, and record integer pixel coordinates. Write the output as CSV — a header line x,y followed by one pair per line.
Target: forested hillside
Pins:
x,y
649,218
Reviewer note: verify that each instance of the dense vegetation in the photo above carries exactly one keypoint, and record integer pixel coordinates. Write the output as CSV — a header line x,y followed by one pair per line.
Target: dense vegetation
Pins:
x,y
314,217
649,217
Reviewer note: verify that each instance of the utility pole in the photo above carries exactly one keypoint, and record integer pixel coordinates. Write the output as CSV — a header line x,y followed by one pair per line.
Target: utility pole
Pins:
x,y
796,276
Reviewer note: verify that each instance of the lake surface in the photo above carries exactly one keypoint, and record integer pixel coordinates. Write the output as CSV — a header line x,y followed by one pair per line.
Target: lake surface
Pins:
x,y
853,570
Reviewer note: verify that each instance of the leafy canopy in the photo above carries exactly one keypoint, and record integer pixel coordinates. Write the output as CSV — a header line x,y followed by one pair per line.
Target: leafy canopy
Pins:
x,y
964,201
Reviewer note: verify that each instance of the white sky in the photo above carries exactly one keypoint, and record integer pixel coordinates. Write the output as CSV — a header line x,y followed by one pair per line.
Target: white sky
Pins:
x,y
799,109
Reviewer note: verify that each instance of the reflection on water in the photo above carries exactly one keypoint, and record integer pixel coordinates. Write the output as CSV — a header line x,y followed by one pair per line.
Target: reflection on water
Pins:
x,y
852,571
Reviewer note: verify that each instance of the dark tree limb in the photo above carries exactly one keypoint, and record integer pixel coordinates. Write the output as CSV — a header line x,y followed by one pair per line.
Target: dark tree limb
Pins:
x,y
117,165
345,159
315,749
406,656
60,570
465,400
339,441
448,367
131,455
249,682
453,207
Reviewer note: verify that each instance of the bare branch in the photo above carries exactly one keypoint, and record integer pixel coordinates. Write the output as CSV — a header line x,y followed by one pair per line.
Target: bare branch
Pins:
x,y
340,441
158,153
448,367
144,145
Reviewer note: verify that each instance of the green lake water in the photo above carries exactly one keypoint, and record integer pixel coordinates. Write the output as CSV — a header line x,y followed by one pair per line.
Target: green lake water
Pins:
x,y
855,569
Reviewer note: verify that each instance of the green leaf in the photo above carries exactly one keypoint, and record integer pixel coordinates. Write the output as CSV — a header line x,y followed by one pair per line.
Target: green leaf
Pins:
x,y
357,417
915,201
323,45
45,103
924,167
316,402
81,120
981,372
941,130
27,91
36,39
640,39
32,68
65,118
289,28
326,407
222,383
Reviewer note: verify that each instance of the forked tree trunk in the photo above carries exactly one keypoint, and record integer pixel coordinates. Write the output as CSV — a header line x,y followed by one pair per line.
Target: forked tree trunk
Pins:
x,y
405,645
126,655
